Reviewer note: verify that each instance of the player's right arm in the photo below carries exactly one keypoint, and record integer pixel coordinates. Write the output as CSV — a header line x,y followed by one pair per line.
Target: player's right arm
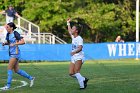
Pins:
x,y
69,27
6,41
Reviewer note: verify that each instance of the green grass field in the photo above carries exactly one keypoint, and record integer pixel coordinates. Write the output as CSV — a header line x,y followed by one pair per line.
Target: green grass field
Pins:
x,y
110,76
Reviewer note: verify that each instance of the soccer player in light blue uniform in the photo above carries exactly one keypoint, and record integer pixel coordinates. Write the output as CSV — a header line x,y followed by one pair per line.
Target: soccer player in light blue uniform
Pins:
x,y
13,39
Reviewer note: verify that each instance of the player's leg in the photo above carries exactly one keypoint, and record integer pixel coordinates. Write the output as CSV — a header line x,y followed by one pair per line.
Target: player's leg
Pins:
x,y
11,19
79,77
71,70
11,64
7,19
23,73
82,80
71,67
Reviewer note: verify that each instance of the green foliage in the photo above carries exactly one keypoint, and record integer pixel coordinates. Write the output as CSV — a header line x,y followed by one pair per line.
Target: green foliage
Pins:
x,y
102,20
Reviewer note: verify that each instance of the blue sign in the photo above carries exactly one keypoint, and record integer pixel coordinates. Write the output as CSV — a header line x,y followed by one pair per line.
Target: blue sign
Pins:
x,y
61,52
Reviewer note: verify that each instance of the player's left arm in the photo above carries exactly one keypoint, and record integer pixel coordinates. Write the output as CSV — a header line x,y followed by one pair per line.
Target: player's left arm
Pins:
x,y
20,42
19,39
79,48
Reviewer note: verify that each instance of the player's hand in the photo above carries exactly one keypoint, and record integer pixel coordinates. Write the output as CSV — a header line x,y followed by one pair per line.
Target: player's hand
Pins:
x,y
3,44
12,44
68,20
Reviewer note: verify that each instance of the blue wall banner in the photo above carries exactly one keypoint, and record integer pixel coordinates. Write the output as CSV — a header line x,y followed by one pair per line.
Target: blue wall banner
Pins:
x,y
61,52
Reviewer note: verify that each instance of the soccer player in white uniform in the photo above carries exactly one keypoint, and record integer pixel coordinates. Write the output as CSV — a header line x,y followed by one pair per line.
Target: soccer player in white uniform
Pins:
x,y
77,55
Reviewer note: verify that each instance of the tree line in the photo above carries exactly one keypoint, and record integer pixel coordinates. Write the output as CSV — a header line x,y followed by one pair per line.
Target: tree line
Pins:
x,y
100,20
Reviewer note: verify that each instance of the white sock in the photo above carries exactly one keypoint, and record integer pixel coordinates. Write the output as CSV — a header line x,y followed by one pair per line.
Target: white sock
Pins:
x,y
80,79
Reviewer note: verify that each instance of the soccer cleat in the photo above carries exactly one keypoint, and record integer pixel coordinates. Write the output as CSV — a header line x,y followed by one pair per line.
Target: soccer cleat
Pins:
x,y
32,82
5,88
85,83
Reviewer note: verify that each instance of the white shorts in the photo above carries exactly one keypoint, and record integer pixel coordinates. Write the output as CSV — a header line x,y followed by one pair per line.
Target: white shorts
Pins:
x,y
9,19
75,58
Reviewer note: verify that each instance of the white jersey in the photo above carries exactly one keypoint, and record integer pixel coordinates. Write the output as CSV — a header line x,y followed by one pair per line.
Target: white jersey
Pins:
x,y
75,43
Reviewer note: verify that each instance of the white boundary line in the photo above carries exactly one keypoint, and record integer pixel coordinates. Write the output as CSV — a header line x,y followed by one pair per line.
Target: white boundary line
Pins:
x,y
24,83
